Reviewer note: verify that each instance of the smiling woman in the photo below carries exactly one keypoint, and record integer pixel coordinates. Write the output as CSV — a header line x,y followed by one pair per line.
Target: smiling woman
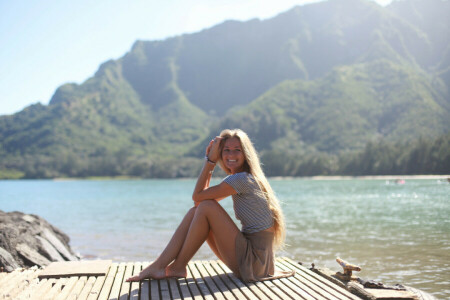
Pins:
x,y
248,252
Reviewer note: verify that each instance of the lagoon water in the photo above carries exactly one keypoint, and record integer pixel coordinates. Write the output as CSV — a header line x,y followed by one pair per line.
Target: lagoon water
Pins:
x,y
396,233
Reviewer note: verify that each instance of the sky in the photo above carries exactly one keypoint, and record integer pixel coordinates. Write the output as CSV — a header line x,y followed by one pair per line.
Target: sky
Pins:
x,y
47,43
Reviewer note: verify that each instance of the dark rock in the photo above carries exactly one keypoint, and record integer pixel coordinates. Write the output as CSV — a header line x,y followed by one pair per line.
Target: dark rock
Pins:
x,y
28,240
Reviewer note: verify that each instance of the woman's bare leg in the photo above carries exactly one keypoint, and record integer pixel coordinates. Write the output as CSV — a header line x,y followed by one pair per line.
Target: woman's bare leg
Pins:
x,y
157,268
209,216
212,244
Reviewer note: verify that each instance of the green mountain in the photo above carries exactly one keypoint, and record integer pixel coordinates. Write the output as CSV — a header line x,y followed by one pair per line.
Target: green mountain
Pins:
x,y
324,79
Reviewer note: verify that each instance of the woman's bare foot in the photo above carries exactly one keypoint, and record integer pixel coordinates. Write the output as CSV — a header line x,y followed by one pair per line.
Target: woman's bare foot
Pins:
x,y
173,272
151,272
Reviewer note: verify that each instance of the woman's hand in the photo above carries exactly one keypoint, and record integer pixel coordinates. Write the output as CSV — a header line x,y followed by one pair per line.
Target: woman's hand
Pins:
x,y
213,149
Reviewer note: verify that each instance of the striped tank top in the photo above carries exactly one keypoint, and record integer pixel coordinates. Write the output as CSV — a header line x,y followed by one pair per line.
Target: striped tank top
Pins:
x,y
250,204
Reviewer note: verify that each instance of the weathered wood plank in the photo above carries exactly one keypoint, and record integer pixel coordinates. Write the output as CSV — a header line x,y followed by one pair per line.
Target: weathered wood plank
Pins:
x,y
318,280
56,289
251,286
30,289
297,290
271,290
192,285
154,289
216,293
23,283
145,285
227,281
125,288
43,286
105,288
9,278
117,284
8,283
200,281
164,289
135,286
297,282
69,285
218,281
174,290
86,289
310,282
76,291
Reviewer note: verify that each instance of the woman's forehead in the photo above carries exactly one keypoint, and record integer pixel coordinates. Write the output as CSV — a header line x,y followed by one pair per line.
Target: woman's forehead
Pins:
x,y
232,142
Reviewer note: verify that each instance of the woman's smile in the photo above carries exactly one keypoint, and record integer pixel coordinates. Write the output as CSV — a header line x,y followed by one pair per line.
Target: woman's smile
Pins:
x,y
232,155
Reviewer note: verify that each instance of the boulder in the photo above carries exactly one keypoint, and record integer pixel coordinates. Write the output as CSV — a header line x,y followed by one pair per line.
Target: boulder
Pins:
x,y
29,240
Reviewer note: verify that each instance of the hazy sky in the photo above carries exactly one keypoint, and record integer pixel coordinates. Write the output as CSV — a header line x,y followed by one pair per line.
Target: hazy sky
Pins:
x,y
46,43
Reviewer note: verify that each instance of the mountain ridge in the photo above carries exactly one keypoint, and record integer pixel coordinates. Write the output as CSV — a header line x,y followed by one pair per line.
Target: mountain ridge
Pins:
x,y
328,77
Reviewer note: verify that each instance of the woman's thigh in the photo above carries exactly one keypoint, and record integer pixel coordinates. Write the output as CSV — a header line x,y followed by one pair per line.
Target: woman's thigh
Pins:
x,y
223,231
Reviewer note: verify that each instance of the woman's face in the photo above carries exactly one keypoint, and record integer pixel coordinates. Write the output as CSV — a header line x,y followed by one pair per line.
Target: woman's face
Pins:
x,y
233,156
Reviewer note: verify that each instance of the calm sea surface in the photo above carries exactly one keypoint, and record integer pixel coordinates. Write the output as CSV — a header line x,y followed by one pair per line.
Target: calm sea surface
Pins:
x,y
397,233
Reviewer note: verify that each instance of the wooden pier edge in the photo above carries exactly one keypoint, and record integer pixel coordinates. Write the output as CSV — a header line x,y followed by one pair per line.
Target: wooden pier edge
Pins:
x,y
205,280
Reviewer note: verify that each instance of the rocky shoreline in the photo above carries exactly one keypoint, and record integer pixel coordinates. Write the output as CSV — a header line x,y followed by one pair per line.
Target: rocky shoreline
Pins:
x,y
28,240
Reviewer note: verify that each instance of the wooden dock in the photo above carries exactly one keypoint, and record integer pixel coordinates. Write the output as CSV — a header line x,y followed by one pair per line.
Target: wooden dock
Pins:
x,y
206,280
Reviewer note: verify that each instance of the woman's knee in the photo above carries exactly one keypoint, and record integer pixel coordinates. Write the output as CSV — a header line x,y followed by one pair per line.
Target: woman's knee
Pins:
x,y
207,205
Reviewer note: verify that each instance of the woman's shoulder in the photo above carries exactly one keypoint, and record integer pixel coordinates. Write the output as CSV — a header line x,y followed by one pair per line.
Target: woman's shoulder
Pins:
x,y
240,175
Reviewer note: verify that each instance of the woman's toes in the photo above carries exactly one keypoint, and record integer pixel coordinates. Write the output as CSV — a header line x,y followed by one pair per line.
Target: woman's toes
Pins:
x,y
134,278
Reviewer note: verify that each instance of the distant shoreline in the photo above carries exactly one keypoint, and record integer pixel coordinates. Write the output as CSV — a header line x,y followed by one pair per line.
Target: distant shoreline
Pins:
x,y
320,177
367,177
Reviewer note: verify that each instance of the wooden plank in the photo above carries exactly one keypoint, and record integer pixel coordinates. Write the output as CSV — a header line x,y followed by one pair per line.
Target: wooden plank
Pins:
x,y
154,289
324,285
135,286
105,288
76,268
192,285
86,289
296,289
117,284
215,291
228,283
250,286
78,287
44,286
13,276
316,286
31,288
125,288
10,275
218,281
184,289
271,290
319,281
68,287
19,284
206,293
56,289
164,289
297,282
145,285
174,289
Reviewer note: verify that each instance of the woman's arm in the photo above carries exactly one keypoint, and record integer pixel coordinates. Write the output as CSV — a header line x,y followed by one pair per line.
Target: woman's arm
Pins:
x,y
202,190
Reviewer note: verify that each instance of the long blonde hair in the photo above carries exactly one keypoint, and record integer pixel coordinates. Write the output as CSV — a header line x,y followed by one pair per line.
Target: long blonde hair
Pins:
x,y
252,165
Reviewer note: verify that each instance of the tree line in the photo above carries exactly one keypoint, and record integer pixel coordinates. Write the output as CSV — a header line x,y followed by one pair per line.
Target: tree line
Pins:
x,y
379,157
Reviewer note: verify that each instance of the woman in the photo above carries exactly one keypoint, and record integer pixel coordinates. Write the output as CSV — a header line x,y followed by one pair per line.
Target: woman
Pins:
x,y
249,254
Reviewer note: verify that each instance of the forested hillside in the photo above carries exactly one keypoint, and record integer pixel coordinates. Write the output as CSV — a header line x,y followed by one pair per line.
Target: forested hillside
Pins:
x,y
320,89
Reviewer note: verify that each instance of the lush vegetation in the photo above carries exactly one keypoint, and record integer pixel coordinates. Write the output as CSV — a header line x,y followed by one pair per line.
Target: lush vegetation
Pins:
x,y
366,92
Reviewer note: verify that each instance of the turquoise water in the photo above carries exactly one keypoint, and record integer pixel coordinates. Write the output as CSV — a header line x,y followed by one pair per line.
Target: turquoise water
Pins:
x,y
396,233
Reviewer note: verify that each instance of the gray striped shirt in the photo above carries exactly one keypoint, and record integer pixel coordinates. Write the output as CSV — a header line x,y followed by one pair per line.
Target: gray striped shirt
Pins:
x,y
250,205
